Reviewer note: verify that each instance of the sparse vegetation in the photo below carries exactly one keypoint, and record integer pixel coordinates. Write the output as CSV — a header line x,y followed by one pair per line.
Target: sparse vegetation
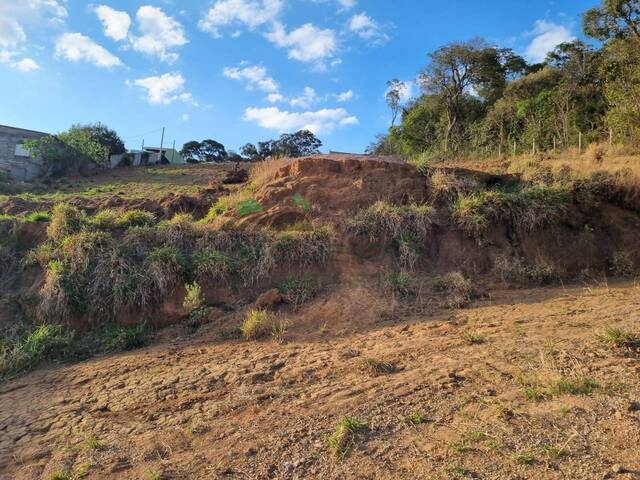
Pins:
x,y
473,338
515,271
256,325
415,418
384,220
456,288
402,283
298,290
343,437
375,367
622,264
619,338
193,299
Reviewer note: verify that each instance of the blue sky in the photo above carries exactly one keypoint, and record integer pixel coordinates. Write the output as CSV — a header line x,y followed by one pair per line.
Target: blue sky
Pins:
x,y
241,71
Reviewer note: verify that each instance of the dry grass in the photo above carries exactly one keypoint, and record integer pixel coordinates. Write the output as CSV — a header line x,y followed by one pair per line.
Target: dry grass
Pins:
x,y
374,367
263,172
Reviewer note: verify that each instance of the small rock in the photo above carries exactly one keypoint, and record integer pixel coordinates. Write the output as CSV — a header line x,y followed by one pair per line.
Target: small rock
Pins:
x,y
634,406
251,452
288,467
617,468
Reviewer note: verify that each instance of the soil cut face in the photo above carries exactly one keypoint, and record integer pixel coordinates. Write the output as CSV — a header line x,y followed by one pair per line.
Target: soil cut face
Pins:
x,y
517,387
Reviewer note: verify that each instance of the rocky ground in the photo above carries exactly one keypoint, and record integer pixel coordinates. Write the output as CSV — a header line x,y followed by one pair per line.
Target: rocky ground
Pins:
x,y
516,387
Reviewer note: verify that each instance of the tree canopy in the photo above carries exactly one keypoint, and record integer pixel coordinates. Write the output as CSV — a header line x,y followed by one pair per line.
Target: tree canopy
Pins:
x,y
298,144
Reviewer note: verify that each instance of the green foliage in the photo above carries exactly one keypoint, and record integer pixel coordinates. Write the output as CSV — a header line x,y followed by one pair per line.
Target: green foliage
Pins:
x,y
193,299
402,283
248,207
343,437
136,218
105,219
256,325
40,216
65,220
384,220
303,203
298,290
124,338
528,207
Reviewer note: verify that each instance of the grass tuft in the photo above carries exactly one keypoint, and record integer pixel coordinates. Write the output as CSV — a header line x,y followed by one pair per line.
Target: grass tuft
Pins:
x,y
256,325
343,437
375,367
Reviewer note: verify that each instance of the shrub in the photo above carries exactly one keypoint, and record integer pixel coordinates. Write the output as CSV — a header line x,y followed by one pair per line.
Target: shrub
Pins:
x,y
105,219
193,300
136,218
248,207
385,220
298,290
622,264
165,265
256,325
41,216
402,283
596,152
65,220
343,437
457,289
124,338
514,270
211,264
530,207
44,342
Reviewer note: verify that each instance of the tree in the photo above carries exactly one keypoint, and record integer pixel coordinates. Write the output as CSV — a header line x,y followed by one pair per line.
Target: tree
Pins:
x,y
298,144
250,152
104,135
191,151
395,88
613,19
212,151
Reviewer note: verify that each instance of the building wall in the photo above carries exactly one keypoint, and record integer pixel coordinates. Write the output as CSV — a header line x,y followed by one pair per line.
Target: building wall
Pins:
x,y
13,159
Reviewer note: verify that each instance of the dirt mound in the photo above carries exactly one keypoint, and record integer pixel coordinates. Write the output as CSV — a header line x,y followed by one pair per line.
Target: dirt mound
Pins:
x,y
336,185
18,206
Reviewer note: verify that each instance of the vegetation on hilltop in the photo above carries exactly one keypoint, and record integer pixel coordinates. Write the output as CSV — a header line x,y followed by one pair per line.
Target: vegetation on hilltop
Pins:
x,y
478,99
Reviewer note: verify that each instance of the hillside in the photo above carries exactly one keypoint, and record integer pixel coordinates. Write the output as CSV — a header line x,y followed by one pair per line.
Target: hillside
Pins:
x,y
335,316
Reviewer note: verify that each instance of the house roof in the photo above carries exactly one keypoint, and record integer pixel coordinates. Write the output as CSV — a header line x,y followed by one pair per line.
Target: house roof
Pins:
x,y
23,129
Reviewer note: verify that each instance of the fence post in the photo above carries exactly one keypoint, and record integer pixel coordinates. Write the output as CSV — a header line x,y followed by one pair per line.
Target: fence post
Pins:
x,y
554,145
534,146
514,148
500,149
579,143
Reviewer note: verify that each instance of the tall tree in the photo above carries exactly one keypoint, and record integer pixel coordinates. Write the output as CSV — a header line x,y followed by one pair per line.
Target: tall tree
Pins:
x,y
191,151
103,135
613,19
212,151
393,96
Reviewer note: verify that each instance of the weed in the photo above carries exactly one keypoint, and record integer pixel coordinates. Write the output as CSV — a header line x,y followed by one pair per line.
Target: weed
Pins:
x,y
153,475
104,220
473,338
193,299
40,216
136,218
256,325
303,203
197,428
343,437
554,452
402,283
622,264
456,469
376,367
514,270
298,290
415,418
385,220
579,385
65,220
620,338
457,289
211,264
60,476
248,207
279,330
525,457
124,338
94,444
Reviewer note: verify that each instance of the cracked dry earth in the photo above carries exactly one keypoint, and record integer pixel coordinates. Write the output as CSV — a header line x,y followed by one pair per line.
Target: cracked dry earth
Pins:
x,y
199,407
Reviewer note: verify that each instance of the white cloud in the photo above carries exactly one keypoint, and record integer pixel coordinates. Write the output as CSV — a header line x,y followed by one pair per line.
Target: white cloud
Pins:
x,y
26,65
547,35
252,14
159,33
308,97
184,117
321,121
368,29
307,43
164,89
344,96
116,23
255,76
11,32
347,4
76,47
275,97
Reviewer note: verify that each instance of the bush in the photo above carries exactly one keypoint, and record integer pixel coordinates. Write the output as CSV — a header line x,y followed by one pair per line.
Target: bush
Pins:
x,y
458,289
38,217
257,325
124,338
529,207
105,220
65,220
383,220
136,218
298,290
622,264
193,300
514,270
402,283
211,264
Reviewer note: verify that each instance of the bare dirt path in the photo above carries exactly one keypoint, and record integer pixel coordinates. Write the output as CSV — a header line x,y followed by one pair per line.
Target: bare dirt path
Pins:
x,y
471,381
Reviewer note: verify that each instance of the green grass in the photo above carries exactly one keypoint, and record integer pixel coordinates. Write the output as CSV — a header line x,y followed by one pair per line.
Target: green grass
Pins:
x,y
473,338
124,338
402,283
343,437
298,290
525,457
248,207
620,338
39,216
415,418
256,325
193,299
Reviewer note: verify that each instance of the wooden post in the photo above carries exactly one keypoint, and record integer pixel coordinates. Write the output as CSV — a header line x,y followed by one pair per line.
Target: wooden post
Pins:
x,y
534,146
500,149
161,145
579,143
514,148
554,145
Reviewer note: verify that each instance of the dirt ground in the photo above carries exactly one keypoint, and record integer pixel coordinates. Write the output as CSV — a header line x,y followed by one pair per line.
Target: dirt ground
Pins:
x,y
194,406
